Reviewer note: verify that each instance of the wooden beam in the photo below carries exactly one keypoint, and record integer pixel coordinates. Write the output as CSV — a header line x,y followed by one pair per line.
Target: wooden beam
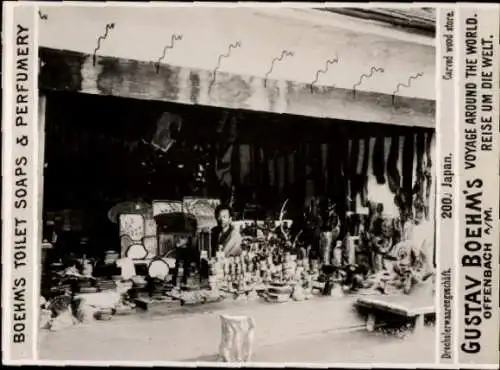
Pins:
x,y
408,19
42,109
73,71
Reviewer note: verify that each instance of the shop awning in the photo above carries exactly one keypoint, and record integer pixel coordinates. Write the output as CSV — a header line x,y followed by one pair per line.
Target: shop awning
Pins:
x,y
75,72
276,63
418,19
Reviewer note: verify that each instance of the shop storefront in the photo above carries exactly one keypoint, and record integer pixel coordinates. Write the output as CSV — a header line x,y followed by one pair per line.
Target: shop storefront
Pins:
x,y
317,175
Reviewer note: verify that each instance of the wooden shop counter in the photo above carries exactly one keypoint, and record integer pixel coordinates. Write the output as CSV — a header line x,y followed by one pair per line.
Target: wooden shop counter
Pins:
x,y
407,306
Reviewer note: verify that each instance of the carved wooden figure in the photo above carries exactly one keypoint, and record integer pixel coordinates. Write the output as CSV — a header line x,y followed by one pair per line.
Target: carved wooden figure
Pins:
x,y
237,338
298,291
308,285
212,282
236,269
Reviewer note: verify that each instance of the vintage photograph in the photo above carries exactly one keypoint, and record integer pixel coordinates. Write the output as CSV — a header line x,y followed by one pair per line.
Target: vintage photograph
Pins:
x,y
237,184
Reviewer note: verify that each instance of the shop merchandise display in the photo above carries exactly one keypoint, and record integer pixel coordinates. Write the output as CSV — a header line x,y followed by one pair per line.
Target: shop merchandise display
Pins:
x,y
364,253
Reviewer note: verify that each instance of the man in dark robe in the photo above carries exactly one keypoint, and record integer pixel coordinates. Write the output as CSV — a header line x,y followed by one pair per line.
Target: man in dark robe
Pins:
x,y
225,234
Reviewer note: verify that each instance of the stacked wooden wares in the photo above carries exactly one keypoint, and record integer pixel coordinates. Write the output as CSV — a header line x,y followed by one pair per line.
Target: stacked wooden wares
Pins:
x,y
104,314
62,312
279,291
45,314
139,282
126,304
158,272
299,279
314,271
159,288
105,284
88,289
110,257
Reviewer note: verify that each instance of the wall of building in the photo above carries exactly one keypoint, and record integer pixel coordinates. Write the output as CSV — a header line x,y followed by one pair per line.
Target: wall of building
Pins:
x,y
260,35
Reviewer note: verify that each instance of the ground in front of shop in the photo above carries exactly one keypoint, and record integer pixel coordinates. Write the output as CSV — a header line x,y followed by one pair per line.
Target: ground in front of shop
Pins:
x,y
320,330
348,347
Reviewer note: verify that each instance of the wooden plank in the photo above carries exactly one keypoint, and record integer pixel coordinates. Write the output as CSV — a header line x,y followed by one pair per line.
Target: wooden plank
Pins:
x,y
400,305
73,71
370,322
416,20
372,304
149,304
419,323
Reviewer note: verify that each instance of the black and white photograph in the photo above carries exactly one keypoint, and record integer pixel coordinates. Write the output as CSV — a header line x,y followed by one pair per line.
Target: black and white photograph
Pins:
x,y
237,183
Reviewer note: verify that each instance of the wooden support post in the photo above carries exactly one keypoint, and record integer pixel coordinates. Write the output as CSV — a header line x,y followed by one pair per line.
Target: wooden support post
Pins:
x,y
74,71
42,104
370,322
419,323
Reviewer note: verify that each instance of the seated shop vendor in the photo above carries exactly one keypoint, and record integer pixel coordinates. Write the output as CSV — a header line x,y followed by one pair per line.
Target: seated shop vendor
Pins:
x,y
225,234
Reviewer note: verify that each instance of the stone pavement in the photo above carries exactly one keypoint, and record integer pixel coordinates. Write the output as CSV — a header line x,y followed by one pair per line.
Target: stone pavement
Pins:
x,y
193,335
354,347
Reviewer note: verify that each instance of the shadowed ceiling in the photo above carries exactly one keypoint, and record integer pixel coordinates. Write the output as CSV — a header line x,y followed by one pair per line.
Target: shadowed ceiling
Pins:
x,y
418,20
